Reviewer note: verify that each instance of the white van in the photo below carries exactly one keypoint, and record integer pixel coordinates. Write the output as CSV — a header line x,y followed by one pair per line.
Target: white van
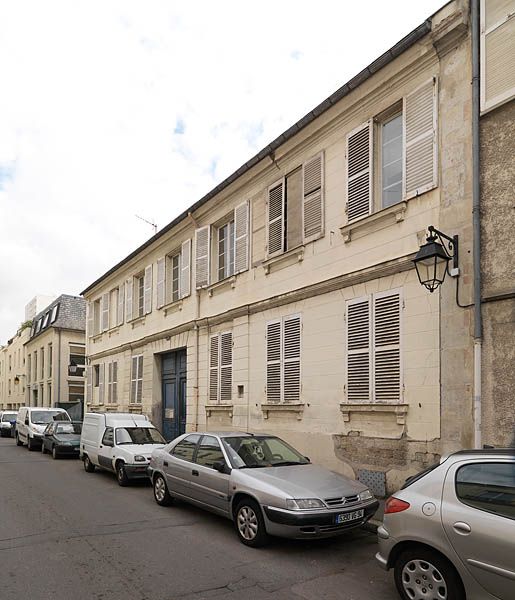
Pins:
x,y
31,423
7,422
119,442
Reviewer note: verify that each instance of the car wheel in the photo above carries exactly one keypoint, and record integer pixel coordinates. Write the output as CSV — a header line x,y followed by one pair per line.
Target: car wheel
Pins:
x,y
55,455
121,475
18,441
250,525
43,449
89,467
421,573
161,493
30,444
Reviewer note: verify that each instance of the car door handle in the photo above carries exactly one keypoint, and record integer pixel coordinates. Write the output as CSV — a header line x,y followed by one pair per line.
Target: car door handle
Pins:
x,y
462,528
194,473
165,463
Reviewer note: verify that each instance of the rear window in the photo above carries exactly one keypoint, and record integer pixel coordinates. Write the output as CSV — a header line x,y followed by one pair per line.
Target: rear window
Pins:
x,y
411,480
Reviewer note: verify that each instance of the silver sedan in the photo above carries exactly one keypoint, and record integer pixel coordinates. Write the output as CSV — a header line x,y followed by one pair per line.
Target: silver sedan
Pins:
x,y
261,483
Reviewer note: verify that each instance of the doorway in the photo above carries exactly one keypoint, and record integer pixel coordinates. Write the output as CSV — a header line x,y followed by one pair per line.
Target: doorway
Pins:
x,y
173,369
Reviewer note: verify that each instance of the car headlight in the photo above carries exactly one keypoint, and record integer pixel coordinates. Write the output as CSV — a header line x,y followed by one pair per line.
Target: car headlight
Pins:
x,y
140,458
366,495
304,503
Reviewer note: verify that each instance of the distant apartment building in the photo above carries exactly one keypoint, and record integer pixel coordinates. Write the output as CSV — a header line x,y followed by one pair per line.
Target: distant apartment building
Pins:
x,y
37,304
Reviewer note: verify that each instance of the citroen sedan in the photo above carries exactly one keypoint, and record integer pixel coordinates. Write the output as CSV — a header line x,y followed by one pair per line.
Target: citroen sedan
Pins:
x,y
261,483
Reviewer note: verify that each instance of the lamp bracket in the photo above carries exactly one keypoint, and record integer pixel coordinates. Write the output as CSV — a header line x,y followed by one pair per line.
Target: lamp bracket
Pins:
x,y
450,246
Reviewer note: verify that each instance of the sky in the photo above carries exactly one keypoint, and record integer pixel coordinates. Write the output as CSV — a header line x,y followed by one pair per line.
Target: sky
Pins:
x,y
115,108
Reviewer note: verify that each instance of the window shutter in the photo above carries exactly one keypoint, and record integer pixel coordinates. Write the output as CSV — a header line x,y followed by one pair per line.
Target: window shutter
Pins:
x,y
115,382
105,312
110,382
128,299
313,198
273,361
147,286
134,379
387,367
226,367
276,219
213,368
420,143
90,319
185,276
89,384
121,303
241,237
358,350
359,172
161,282
202,243
291,360
101,383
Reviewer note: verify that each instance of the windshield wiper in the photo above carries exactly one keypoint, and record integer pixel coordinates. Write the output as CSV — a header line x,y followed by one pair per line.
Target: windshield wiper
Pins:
x,y
254,466
288,463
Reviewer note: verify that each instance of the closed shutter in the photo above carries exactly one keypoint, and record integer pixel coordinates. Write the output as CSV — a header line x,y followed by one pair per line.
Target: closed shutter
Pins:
x,y
160,301
226,367
105,312
387,367
110,382
101,383
185,276
241,237
128,299
121,303
147,286
213,368
115,382
420,143
359,172
202,243
313,198
291,359
90,319
358,350
276,219
273,361
89,384
134,379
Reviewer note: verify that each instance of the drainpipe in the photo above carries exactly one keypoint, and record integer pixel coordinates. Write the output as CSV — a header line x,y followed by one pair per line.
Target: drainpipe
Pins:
x,y
58,367
197,353
476,244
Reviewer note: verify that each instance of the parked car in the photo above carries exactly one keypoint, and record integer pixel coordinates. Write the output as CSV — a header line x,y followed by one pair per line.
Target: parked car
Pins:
x,y
261,483
7,422
62,439
449,533
31,422
119,442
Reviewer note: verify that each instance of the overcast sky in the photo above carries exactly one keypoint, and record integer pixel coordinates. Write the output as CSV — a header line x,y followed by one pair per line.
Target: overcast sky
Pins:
x,y
116,108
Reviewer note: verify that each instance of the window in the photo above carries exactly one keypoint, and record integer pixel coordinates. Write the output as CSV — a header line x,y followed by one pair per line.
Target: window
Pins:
x,y
49,394
220,368
45,320
209,452
35,365
96,376
108,437
76,392
113,303
391,160
373,348
283,348
138,300
50,360
97,316
55,310
39,324
42,352
137,378
173,275
185,449
112,382
77,362
29,368
489,487
226,250
139,289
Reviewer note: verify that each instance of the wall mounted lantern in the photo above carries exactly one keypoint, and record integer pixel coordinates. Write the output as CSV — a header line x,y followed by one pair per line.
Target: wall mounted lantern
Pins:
x,y
432,259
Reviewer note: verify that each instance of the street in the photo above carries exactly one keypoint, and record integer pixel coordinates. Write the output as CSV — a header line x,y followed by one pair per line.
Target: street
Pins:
x,y
66,534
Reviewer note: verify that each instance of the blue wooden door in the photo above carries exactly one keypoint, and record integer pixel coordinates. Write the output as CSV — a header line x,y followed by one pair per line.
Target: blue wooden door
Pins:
x,y
174,378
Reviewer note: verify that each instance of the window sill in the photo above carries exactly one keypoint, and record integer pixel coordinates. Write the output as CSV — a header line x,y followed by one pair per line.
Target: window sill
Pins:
x,y
96,338
375,221
219,285
272,407
399,410
214,410
113,407
289,257
172,307
135,407
138,321
114,330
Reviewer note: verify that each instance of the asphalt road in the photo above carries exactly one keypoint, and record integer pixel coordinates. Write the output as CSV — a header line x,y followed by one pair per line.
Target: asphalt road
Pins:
x,y
69,535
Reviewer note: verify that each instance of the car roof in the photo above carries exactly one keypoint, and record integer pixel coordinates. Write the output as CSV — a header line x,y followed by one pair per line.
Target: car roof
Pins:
x,y
225,434
481,453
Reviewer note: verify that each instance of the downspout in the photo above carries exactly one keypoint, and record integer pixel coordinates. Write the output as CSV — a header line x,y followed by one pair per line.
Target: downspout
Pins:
x,y
476,239
58,368
197,353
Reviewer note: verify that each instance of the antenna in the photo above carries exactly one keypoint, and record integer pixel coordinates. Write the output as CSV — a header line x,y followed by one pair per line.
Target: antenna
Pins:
x,y
154,225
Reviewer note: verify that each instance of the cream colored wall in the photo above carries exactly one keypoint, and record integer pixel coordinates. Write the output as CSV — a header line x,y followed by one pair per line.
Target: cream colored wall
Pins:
x,y
16,351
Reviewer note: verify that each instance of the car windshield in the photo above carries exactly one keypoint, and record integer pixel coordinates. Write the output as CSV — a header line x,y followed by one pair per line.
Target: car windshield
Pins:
x,y
47,416
261,451
9,417
68,428
138,435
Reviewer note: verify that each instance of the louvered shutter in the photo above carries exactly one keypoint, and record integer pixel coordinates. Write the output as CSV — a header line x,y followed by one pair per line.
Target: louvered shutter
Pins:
x,y
121,303
241,237
291,359
202,243
90,319
147,286
101,383
225,367
358,350
109,382
313,198
387,365
105,312
273,361
276,219
160,300
420,140
89,384
185,277
115,382
134,379
128,299
359,172
213,368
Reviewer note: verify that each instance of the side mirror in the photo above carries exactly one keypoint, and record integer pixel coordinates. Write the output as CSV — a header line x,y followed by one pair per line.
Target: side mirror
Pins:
x,y
307,458
220,466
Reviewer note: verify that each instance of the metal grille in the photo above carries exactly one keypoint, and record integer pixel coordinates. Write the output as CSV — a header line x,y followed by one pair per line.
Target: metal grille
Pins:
x,y
342,500
374,480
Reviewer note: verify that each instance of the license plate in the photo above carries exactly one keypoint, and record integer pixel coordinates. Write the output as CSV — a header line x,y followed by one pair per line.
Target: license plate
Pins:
x,y
352,516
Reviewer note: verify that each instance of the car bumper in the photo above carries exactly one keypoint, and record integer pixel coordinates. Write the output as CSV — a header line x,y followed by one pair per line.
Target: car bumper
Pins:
x,y
70,450
137,471
301,525
386,543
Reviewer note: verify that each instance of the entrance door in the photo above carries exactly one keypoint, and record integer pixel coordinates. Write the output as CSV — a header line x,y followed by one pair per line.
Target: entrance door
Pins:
x,y
174,393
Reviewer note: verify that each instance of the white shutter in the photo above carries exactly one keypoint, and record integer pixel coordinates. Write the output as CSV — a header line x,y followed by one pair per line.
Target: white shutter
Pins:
x,y
291,359
101,383
89,384
241,237
147,286
313,198
202,244
420,140
115,382
90,319
225,367
121,303
185,276
275,227
160,282
134,379
105,312
358,350
213,368
273,361
359,172
128,299
387,337
109,382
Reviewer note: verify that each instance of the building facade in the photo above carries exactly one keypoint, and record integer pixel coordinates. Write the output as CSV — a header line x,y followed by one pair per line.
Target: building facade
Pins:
x,y
286,301
13,379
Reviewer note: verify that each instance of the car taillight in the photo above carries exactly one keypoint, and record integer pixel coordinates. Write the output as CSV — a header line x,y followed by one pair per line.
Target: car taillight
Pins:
x,y
394,505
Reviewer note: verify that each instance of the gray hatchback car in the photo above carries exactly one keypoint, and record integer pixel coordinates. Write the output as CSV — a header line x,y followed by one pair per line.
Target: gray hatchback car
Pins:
x,y
449,533
261,483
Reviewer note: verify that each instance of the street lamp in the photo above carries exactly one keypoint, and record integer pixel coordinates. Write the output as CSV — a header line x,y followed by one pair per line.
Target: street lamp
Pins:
x,y
432,259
